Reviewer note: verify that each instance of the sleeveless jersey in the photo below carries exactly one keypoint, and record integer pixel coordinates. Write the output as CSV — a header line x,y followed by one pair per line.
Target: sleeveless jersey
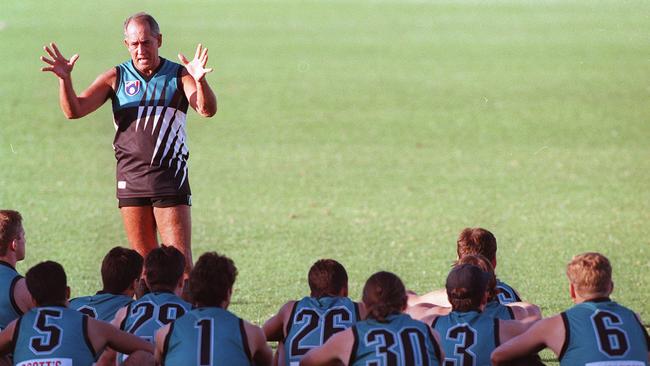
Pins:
x,y
101,306
506,294
149,115
600,333
55,334
207,336
468,338
9,310
400,341
313,321
149,313
495,309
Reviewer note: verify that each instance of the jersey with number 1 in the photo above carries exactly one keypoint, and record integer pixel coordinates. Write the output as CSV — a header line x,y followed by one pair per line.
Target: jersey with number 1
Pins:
x,y
602,333
53,335
468,338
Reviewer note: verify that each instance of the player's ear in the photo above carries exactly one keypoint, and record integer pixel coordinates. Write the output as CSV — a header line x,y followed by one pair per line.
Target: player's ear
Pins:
x,y
611,287
494,263
344,291
14,245
572,291
159,38
67,293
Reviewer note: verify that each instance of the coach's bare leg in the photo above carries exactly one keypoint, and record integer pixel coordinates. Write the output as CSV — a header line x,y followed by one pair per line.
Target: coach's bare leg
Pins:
x,y
140,227
175,228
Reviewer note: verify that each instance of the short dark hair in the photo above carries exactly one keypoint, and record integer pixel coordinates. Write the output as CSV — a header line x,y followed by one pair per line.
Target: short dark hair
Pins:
x,y
485,266
212,279
120,267
327,277
47,283
466,287
143,17
477,241
10,224
384,294
163,268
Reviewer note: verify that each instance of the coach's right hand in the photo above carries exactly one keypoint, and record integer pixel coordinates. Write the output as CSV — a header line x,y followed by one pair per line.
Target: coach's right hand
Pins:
x,y
59,65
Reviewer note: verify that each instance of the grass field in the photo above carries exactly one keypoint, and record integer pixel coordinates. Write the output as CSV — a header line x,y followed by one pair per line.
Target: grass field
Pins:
x,y
370,131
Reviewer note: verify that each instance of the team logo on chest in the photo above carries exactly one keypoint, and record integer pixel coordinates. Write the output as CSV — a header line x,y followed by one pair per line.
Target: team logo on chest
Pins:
x,y
132,88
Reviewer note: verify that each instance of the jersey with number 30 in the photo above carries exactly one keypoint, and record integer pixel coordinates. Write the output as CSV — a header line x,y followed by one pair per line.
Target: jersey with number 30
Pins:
x,y
468,338
53,334
602,333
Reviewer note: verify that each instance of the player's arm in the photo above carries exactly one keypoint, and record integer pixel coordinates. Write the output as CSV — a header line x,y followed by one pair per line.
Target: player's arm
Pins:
x,y
337,349
195,85
260,351
544,333
22,296
161,334
274,327
363,311
74,106
6,336
645,333
103,334
525,311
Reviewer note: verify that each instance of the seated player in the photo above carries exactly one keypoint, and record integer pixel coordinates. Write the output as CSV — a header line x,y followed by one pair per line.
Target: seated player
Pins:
x,y
210,334
163,274
596,331
14,296
308,323
121,270
52,334
469,335
386,338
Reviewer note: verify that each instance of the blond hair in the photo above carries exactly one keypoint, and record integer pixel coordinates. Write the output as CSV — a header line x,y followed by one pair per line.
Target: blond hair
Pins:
x,y
590,274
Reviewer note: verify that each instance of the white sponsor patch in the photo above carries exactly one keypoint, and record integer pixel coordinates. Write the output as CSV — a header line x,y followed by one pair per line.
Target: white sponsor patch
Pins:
x,y
47,362
121,184
615,363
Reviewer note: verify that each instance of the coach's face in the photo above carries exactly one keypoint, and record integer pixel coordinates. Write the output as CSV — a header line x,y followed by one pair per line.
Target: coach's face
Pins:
x,y
143,46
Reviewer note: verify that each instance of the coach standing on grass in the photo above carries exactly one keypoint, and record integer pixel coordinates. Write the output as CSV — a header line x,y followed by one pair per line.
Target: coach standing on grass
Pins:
x,y
150,96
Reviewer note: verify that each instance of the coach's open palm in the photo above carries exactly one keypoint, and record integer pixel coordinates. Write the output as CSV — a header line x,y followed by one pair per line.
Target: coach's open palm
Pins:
x,y
59,65
196,67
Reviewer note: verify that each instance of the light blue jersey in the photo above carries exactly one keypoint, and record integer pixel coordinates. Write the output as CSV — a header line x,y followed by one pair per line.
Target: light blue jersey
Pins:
x,y
506,294
101,306
497,310
313,321
399,341
9,310
55,334
468,338
208,336
603,333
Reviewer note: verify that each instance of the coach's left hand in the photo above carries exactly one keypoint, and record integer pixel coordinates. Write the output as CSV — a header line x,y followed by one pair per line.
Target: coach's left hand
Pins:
x,y
196,67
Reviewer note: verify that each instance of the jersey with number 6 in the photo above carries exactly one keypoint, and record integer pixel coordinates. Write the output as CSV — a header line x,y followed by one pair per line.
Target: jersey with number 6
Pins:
x,y
313,321
399,341
208,336
602,332
53,334
101,306
468,338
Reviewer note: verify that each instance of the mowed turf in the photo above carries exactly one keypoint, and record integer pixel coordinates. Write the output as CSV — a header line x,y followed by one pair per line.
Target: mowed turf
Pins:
x,y
371,132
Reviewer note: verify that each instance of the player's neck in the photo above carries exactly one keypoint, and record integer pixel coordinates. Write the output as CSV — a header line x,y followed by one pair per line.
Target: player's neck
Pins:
x,y
150,70
10,260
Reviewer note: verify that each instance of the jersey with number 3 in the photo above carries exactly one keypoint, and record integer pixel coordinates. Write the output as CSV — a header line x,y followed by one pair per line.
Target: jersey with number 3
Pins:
x,y
53,335
313,321
602,333
399,341
208,336
468,338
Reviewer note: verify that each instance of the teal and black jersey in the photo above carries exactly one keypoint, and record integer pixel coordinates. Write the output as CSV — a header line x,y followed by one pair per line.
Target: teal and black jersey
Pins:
x,y
149,313
468,338
506,294
9,310
399,341
102,305
53,335
150,141
601,332
313,321
207,336
497,310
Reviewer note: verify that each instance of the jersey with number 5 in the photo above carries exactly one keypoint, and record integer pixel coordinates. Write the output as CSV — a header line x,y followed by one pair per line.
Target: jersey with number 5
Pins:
x,y
53,334
602,332
468,338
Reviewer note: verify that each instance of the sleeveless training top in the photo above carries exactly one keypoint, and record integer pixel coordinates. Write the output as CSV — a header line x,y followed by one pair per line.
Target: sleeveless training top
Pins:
x,y
9,310
149,115
207,336
53,333
497,310
101,306
400,341
313,321
506,294
468,338
601,332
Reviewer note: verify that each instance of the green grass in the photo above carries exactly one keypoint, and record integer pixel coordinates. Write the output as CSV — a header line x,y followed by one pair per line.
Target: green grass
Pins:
x,y
371,132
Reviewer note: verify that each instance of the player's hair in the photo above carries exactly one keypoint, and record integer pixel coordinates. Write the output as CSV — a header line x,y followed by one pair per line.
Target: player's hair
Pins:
x,y
466,287
212,279
10,224
485,265
590,274
477,241
327,277
120,267
143,17
163,268
47,283
384,294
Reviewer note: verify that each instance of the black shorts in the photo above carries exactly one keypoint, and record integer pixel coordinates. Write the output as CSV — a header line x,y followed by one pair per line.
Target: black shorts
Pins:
x,y
162,201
